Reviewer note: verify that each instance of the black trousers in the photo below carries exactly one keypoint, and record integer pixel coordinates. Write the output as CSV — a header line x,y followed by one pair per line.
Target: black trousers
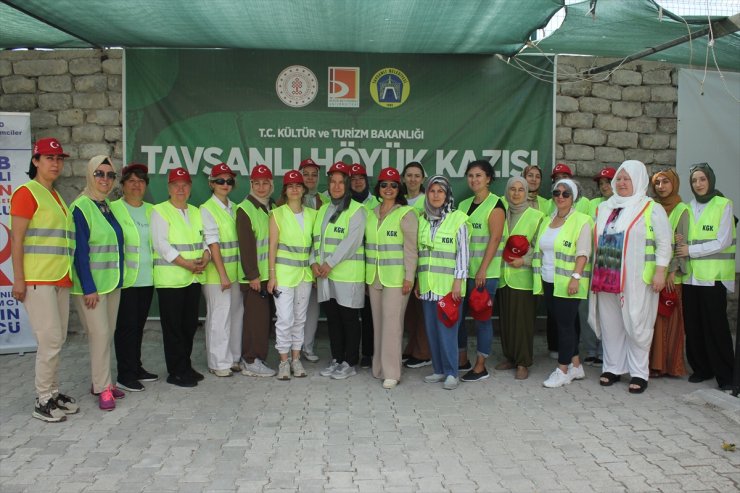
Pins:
x,y
708,340
368,340
564,313
344,331
552,332
178,309
132,313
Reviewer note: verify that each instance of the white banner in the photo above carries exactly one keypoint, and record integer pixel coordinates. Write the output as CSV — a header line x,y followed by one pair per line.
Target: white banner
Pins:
x,y
15,154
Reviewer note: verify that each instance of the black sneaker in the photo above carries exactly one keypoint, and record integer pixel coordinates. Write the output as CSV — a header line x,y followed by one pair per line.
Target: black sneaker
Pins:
x,y
366,362
187,381
417,363
465,367
130,385
598,361
144,376
66,403
589,361
48,412
197,376
472,376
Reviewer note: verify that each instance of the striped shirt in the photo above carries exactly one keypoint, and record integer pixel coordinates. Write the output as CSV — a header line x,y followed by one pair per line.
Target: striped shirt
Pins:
x,y
462,256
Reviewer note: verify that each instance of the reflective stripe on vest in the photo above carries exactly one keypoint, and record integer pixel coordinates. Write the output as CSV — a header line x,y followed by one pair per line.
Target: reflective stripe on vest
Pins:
x,y
384,248
648,271
131,240
104,255
48,246
436,269
187,239
479,236
565,257
227,241
527,225
674,219
294,246
351,269
719,266
261,229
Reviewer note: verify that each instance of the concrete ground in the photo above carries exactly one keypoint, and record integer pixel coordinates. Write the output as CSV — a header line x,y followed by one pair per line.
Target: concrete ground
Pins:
x,y
261,435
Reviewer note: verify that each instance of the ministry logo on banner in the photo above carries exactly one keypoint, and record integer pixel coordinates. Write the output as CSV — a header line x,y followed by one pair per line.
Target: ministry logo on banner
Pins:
x,y
297,86
343,88
390,87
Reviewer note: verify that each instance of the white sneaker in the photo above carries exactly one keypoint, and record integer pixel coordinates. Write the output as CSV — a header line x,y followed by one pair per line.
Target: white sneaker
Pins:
x,y
451,383
220,373
297,368
557,379
284,370
576,373
389,383
434,378
343,371
326,372
310,356
257,369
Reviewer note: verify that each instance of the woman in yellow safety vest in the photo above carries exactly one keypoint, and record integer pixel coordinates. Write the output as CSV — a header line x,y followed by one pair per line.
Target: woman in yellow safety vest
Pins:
x,y
224,308
710,248
252,230
133,214
561,271
486,218
390,268
41,246
443,267
416,354
291,240
98,276
180,259
518,304
632,250
667,349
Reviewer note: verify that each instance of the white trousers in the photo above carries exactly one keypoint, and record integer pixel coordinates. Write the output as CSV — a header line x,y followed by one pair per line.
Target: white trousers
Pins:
x,y
621,353
312,321
223,325
290,308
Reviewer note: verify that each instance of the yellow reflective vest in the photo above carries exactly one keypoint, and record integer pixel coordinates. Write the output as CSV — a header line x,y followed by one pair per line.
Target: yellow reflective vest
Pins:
x,y
436,268
294,246
261,228
187,239
132,242
527,225
479,236
227,241
351,269
718,266
384,248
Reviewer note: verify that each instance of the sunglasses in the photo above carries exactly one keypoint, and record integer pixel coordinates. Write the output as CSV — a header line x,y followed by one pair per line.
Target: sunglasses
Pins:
x,y
221,181
111,175
386,184
566,194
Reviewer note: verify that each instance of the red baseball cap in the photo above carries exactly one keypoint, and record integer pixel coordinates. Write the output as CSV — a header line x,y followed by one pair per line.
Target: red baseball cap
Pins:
x,y
261,171
607,173
357,170
221,169
48,147
292,177
448,310
133,167
667,301
389,174
308,162
480,304
561,168
516,247
341,167
179,174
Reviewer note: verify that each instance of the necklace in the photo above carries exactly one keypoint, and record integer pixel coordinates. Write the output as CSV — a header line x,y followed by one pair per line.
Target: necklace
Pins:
x,y
563,217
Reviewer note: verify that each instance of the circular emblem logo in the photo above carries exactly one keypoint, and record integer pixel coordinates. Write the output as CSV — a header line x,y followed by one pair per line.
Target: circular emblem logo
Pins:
x,y
390,87
296,86
54,144
180,172
391,172
515,250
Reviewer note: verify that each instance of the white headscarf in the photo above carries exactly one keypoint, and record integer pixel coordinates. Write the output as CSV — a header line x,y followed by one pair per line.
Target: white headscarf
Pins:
x,y
572,187
632,205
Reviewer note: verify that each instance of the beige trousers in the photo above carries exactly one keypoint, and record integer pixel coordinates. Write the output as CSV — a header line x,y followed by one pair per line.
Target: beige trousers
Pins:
x,y
388,306
100,325
48,312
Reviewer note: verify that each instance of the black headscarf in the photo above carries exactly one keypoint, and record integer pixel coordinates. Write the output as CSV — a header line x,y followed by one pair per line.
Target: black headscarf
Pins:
x,y
712,192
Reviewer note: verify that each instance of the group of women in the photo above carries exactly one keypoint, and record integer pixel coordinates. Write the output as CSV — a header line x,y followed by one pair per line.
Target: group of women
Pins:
x,y
350,249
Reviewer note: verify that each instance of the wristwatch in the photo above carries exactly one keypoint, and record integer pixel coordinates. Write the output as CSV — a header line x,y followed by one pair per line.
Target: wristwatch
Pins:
x,y
576,276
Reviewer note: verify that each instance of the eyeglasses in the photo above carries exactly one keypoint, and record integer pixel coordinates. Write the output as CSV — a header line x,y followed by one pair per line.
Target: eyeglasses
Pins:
x,y
386,184
557,193
111,175
221,181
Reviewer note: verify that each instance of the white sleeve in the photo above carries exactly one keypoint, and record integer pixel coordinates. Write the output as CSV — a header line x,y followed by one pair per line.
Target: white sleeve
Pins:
x,y
160,230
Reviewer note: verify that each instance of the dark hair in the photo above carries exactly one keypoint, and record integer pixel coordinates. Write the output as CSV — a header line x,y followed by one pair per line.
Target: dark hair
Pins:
x,y
413,164
284,197
32,170
400,199
484,165
136,172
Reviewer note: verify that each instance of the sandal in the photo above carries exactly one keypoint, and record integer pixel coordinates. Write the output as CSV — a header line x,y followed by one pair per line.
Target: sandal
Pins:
x,y
641,385
608,378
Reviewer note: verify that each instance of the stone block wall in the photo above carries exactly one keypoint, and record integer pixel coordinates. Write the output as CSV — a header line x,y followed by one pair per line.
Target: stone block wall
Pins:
x,y
73,95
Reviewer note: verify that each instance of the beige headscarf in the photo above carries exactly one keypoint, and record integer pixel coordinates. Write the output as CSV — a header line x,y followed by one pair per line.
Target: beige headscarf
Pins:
x,y
92,165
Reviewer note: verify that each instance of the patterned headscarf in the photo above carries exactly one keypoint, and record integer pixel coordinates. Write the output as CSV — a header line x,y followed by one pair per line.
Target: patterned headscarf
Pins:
x,y
436,213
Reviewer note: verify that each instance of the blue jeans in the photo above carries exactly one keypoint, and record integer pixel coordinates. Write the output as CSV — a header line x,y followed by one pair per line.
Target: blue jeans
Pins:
x,y
442,341
483,330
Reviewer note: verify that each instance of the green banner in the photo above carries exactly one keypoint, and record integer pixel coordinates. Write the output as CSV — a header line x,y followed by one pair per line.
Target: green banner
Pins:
x,y
197,108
